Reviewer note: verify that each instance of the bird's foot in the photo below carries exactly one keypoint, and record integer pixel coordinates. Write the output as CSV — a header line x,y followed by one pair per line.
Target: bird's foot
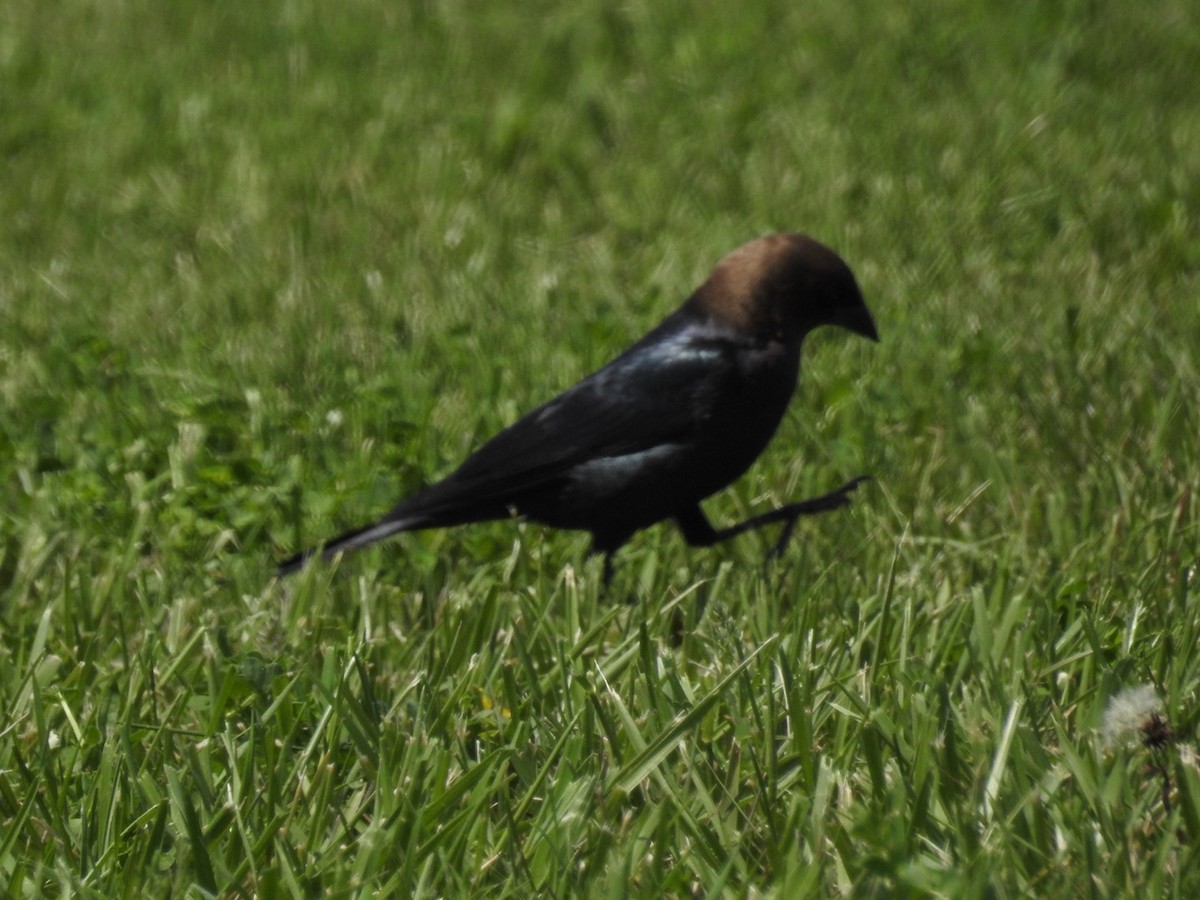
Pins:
x,y
791,513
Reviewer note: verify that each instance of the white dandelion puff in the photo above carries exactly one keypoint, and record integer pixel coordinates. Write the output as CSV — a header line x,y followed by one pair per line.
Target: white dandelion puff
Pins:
x,y
1128,713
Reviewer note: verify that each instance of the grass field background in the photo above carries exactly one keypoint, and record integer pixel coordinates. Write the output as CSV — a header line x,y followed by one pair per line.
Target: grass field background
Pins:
x,y
264,268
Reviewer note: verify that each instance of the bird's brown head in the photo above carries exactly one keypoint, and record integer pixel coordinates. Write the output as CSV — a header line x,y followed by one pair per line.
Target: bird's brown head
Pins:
x,y
781,287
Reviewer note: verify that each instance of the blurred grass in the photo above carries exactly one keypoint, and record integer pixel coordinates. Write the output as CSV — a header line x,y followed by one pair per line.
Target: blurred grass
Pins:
x,y
263,269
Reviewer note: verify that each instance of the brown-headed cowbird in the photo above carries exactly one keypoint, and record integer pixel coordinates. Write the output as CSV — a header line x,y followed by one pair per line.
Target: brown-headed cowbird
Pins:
x,y
673,419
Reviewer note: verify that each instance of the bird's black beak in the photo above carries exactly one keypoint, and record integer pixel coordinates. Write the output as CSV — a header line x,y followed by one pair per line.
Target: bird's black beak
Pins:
x,y
858,319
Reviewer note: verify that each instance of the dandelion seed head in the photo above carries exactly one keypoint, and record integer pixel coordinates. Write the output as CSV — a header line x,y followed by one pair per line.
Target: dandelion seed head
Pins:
x,y
1127,714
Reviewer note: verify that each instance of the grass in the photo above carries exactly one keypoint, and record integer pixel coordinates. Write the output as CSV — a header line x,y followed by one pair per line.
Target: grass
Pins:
x,y
266,268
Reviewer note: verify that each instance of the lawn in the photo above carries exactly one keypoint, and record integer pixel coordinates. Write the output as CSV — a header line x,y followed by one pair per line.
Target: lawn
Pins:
x,y
265,268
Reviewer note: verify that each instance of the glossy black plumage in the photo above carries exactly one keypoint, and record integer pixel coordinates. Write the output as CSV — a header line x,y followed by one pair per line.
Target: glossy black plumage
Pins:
x,y
673,419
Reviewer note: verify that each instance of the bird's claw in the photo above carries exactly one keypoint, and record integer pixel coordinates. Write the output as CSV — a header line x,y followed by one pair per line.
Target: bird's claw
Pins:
x,y
834,500
785,536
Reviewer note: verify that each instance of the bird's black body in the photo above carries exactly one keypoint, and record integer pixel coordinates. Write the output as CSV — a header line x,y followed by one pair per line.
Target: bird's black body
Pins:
x,y
676,417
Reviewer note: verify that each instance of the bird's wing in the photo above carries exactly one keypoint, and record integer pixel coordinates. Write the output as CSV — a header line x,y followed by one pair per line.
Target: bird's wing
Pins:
x,y
658,392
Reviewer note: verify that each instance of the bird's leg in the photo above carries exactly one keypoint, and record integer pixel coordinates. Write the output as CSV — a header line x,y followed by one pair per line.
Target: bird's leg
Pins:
x,y
607,571
606,577
698,531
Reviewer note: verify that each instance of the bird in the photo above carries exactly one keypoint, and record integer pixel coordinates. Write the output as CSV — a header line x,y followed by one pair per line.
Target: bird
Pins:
x,y
678,416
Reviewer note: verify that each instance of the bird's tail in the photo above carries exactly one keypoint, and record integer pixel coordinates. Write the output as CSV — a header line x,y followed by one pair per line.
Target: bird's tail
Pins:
x,y
351,540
